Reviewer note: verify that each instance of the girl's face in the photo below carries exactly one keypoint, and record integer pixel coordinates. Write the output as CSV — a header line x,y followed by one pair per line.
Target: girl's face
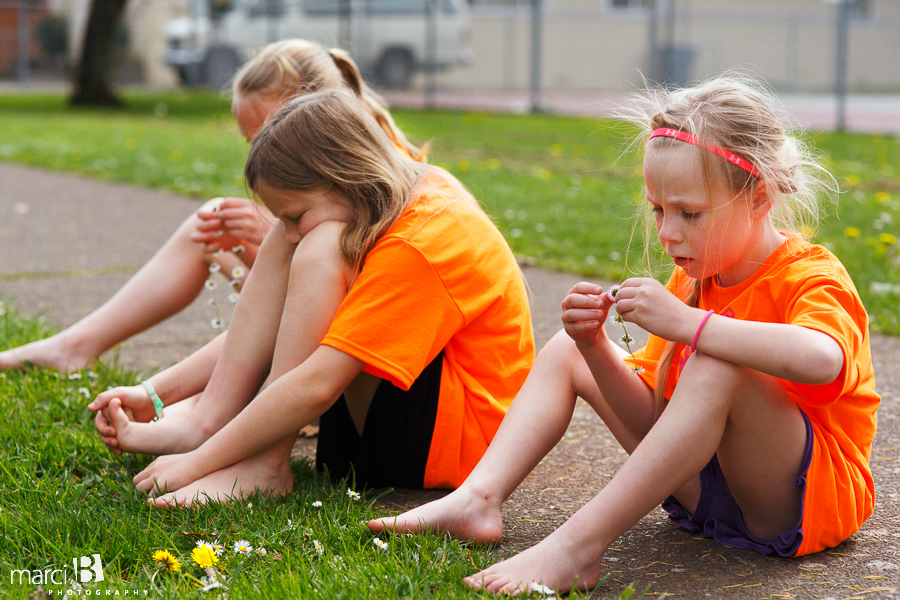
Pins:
x,y
702,227
251,111
300,211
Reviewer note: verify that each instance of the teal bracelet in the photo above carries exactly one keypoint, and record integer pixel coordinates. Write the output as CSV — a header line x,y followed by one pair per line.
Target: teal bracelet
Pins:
x,y
156,400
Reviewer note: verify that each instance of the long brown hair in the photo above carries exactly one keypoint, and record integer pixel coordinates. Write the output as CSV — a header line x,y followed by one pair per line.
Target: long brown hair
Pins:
x,y
291,67
327,140
739,113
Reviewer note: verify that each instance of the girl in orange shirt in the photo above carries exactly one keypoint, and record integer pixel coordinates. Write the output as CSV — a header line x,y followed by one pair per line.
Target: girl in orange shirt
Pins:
x,y
751,412
368,306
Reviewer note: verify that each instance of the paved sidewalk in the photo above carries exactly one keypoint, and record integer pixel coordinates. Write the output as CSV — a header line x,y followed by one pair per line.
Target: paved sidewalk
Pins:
x,y
70,242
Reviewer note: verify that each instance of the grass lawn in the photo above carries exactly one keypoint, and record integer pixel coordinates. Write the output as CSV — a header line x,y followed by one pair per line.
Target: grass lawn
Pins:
x,y
556,188
63,496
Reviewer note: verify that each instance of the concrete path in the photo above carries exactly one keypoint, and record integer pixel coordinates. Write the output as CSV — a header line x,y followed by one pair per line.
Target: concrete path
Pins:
x,y
68,243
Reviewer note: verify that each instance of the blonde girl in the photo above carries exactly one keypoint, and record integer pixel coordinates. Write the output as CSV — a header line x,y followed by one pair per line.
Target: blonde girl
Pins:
x,y
175,275
751,412
383,301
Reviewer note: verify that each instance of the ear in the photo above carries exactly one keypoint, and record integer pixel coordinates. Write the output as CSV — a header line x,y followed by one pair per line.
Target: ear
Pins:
x,y
761,200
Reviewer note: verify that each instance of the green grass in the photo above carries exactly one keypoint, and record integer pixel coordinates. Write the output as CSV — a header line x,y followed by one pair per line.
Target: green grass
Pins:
x,y
63,496
556,186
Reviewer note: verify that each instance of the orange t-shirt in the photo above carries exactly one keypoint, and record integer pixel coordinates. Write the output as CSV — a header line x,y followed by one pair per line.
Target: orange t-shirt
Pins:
x,y
806,285
443,278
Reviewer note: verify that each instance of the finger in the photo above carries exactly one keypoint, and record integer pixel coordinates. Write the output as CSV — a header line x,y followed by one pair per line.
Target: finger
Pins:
x,y
101,424
585,287
232,214
209,225
234,202
582,327
582,301
103,399
576,315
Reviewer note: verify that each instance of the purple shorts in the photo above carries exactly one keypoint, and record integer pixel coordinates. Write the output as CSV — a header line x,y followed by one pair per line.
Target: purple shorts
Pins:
x,y
719,517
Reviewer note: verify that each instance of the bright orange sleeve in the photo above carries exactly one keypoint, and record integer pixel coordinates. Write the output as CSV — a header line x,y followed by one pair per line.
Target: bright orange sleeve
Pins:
x,y
396,325
825,305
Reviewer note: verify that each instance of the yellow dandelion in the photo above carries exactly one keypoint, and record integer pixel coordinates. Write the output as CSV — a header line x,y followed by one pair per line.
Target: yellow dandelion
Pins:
x,y
888,238
556,149
852,232
493,164
166,559
544,174
204,556
464,165
882,197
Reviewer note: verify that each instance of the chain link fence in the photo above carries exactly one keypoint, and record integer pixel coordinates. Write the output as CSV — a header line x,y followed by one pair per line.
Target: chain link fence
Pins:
x,y
488,46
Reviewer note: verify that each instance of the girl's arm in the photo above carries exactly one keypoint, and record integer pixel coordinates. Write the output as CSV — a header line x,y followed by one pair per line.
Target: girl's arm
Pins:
x,y
785,351
280,411
585,310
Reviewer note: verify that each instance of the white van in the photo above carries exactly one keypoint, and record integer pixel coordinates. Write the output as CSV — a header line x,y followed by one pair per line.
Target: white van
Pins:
x,y
389,39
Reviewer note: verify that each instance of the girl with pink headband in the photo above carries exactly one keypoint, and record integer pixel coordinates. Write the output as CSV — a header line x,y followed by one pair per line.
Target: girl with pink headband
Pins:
x,y
750,413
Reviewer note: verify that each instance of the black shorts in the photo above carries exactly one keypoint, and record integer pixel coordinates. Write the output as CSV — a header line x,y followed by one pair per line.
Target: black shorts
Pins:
x,y
393,449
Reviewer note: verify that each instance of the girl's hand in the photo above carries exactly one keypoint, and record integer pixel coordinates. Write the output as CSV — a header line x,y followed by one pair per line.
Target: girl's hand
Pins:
x,y
584,311
237,221
167,474
649,305
136,403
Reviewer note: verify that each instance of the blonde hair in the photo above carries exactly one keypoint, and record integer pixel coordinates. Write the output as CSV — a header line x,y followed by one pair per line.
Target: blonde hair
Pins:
x,y
292,67
739,114
327,140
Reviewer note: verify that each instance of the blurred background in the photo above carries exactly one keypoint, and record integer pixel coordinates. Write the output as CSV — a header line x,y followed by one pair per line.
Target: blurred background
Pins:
x,y
520,51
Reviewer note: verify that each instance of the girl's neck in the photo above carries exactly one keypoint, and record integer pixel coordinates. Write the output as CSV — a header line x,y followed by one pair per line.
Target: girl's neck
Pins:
x,y
768,240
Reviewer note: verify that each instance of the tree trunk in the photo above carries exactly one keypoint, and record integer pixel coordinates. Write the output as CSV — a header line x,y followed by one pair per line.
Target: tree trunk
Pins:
x,y
93,85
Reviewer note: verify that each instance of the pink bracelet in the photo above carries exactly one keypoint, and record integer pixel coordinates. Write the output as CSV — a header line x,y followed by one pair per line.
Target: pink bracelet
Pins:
x,y
709,313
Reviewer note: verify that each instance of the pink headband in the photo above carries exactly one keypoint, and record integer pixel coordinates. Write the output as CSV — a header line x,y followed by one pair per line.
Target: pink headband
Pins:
x,y
693,139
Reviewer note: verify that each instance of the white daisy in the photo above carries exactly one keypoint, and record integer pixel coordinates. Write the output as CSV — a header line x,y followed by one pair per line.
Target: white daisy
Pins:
x,y
210,284
211,301
238,272
381,544
214,267
238,249
317,504
74,376
540,588
243,547
217,253
234,284
638,370
612,291
84,392
262,551
216,323
233,297
353,495
320,549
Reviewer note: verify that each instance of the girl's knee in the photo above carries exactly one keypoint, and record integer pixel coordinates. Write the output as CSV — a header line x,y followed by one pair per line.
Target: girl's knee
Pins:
x,y
320,250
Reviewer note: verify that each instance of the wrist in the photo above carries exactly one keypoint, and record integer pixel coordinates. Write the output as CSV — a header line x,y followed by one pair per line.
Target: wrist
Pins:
x,y
154,397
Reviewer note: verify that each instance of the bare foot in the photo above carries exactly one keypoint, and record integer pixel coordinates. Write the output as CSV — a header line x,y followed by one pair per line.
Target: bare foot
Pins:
x,y
557,563
55,351
166,436
463,514
264,473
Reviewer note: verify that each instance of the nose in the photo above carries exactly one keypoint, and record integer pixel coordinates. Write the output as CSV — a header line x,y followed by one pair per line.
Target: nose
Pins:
x,y
668,231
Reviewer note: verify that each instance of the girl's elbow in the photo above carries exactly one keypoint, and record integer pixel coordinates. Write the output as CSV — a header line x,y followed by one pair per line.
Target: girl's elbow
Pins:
x,y
825,364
